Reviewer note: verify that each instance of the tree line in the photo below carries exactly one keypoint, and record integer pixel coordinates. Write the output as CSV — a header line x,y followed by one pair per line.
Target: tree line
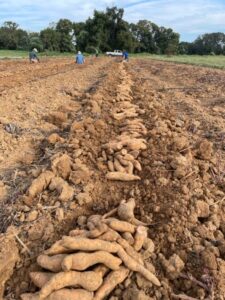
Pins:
x,y
107,30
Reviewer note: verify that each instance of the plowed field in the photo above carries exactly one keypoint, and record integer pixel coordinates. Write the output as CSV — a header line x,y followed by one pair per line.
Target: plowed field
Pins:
x,y
78,140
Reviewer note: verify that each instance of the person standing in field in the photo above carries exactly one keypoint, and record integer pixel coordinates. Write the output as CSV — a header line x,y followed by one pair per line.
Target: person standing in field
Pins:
x,y
125,55
80,58
33,56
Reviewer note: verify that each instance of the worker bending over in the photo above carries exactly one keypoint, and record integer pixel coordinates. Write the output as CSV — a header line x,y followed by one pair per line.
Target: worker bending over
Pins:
x,y
80,58
33,56
125,55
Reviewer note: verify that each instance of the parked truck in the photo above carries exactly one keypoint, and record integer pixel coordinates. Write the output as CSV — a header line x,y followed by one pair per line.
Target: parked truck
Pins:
x,y
115,53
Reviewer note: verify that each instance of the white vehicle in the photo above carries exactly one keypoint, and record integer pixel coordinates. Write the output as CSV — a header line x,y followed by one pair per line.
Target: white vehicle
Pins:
x,y
115,53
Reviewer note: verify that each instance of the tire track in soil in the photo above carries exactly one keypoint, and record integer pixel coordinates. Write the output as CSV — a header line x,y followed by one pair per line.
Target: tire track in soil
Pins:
x,y
175,193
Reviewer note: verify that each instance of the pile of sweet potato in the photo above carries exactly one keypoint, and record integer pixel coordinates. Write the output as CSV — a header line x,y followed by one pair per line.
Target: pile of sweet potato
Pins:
x,y
123,151
96,257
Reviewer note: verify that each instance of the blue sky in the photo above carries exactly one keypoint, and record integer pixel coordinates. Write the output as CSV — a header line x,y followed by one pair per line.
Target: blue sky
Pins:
x,y
189,18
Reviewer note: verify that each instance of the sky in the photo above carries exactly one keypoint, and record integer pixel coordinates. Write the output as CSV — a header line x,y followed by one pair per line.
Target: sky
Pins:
x,y
189,17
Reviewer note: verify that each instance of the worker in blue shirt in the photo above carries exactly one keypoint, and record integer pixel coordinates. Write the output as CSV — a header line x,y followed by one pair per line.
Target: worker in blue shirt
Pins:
x,y
33,56
125,55
80,58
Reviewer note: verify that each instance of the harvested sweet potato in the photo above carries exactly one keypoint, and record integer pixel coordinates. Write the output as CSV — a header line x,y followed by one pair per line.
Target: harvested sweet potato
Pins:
x,y
141,235
82,261
57,248
125,212
51,263
128,237
40,183
78,232
137,165
121,176
101,270
110,282
86,244
130,168
109,236
71,294
90,281
121,159
118,167
67,294
120,226
30,296
131,264
96,232
111,166
40,278
130,250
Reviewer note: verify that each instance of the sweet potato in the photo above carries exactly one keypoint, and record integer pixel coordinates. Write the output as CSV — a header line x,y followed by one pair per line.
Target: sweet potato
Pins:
x,y
96,232
51,263
141,235
125,212
109,236
40,183
86,244
131,264
67,294
121,176
128,237
30,296
40,278
82,261
101,270
120,226
57,248
111,166
130,250
110,282
71,294
130,168
121,159
118,167
90,281
78,232
137,165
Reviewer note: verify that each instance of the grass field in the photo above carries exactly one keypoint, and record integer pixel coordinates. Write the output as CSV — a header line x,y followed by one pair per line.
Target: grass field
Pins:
x,y
24,54
217,61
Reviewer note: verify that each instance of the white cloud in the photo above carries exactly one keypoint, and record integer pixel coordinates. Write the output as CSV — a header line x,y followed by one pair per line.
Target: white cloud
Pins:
x,y
190,17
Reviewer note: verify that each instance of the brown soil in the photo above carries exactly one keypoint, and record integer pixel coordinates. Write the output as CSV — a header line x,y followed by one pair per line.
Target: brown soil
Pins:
x,y
57,117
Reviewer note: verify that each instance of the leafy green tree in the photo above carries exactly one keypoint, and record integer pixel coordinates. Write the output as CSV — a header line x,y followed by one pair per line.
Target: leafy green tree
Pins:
x,y
64,28
209,43
50,39
35,41
144,32
184,48
11,37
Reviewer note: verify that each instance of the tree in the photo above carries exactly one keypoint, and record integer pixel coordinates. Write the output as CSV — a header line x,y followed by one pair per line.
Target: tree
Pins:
x,y
144,33
35,41
209,43
12,37
64,28
50,39
167,40
184,48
